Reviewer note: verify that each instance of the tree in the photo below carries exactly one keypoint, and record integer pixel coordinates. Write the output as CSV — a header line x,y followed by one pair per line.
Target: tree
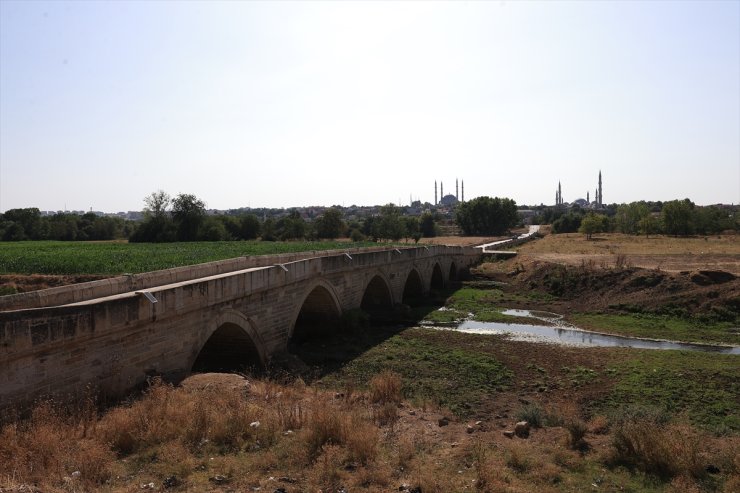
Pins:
x,y
63,226
249,227
330,224
628,217
157,225
648,225
593,223
27,224
157,204
677,216
711,220
213,229
268,230
390,224
371,228
189,213
291,227
427,225
567,223
411,224
486,216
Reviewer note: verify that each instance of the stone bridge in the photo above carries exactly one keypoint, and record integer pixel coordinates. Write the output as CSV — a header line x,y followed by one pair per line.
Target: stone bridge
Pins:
x,y
110,335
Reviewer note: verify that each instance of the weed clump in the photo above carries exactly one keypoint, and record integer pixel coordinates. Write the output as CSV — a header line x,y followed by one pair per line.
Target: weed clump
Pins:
x,y
643,438
385,387
576,434
532,414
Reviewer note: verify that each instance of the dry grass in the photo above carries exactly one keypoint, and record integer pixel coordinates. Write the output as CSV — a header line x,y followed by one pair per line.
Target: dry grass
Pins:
x,y
386,388
657,252
310,440
667,450
617,243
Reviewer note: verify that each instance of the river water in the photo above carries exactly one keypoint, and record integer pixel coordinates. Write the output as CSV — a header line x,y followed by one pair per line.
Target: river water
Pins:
x,y
562,334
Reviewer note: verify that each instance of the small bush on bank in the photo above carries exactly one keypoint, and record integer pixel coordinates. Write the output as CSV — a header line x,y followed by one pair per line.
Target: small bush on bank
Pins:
x,y
532,414
576,433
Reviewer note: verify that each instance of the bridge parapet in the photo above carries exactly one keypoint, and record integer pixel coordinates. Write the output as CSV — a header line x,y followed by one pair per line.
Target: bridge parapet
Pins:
x,y
63,295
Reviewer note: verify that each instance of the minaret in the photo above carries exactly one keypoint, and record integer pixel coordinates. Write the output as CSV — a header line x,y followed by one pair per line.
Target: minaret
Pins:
x,y
588,200
457,189
462,190
559,195
600,197
435,192
441,190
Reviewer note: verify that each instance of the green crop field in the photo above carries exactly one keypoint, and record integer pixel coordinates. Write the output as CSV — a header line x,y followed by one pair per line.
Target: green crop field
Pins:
x,y
111,258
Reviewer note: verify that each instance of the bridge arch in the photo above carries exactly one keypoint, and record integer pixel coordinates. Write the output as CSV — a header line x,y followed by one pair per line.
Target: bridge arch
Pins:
x,y
437,279
453,272
377,294
413,289
318,312
233,343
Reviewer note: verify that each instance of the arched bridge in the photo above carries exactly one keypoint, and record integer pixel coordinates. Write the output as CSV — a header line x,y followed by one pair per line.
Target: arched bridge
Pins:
x,y
112,334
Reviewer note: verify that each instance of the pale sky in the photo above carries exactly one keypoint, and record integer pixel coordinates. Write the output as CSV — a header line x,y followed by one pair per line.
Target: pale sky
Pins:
x,y
280,104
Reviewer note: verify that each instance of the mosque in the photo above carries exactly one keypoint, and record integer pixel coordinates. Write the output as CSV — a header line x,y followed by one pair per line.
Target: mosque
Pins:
x,y
449,200
598,202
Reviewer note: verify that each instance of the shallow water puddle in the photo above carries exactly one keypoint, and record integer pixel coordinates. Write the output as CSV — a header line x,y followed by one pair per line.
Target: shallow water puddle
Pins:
x,y
563,334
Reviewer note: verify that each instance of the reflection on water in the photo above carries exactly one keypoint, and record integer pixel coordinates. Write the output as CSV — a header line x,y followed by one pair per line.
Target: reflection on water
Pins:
x,y
570,335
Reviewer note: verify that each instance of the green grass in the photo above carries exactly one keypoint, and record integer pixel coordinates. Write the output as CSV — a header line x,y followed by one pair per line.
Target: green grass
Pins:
x,y
658,327
450,316
435,366
484,304
111,258
702,386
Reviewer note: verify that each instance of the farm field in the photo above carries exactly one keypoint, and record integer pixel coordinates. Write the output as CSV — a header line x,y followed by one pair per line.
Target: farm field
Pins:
x,y
113,258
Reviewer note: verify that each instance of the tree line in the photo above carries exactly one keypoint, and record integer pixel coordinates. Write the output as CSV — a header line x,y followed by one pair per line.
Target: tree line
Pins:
x,y
184,218
29,224
675,217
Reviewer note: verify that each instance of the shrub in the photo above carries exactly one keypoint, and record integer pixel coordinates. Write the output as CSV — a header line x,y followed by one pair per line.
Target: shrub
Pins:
x,y
642,438
576,432
532,414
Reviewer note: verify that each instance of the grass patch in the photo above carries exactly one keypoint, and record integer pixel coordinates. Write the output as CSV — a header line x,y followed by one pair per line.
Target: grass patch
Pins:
x,y
445,317
702,386
658,327
60,257
434,366
484,304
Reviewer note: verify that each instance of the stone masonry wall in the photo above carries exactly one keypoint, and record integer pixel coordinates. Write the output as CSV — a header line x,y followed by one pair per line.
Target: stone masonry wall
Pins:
x,y
113,343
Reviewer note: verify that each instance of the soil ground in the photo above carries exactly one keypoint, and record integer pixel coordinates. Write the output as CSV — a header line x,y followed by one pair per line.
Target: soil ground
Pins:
x,y
597,287
19,283
664,253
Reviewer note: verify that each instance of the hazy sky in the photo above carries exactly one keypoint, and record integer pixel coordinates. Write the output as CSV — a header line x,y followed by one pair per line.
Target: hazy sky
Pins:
x,y
284,104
